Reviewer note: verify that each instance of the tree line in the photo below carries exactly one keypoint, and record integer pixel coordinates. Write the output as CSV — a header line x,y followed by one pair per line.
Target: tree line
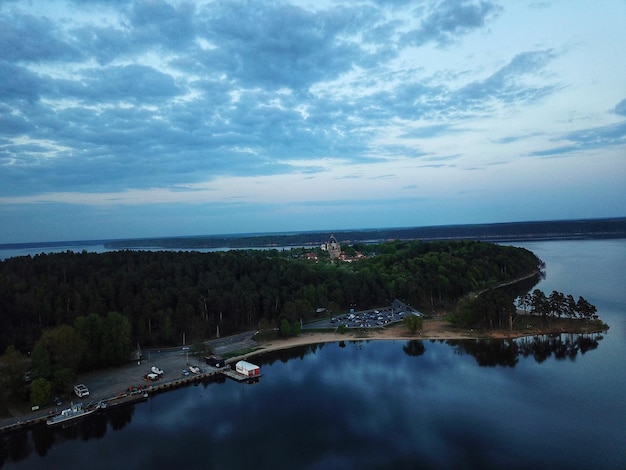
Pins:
x,y
557,304
497,309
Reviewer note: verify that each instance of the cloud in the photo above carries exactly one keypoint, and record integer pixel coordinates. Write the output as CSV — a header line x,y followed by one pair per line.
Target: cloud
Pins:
x,y
128,83
506,85
229,94
620,108
515,138
429,131
173,26
18,83
280,45
27,38
586,139
447,20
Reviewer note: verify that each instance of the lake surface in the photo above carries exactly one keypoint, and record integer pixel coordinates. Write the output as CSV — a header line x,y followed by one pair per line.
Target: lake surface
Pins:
x,y
533,403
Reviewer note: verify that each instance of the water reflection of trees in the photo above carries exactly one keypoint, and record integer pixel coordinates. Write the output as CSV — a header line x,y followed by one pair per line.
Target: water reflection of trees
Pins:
x,y
285,355
14,448
414,348
43,440
19,446
488,352
563,346
506,352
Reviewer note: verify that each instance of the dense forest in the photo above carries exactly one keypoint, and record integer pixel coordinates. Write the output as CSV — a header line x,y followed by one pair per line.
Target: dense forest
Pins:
x,y
163,294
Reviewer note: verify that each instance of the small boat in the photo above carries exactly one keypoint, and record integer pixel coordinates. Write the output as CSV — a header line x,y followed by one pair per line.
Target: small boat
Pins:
x,y
74,412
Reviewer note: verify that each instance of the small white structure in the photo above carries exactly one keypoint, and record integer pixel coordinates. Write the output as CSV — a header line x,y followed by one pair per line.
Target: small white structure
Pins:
x,y
247,369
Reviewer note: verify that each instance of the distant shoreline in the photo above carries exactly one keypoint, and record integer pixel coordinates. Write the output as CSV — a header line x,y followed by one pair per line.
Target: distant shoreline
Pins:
x,y
584,229
501,232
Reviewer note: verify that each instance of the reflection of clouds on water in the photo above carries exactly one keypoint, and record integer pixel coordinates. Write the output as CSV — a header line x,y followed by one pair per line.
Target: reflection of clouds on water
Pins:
x,y
369,402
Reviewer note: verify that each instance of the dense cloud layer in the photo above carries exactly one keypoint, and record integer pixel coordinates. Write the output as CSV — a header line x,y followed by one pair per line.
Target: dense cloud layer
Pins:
x,y
111,98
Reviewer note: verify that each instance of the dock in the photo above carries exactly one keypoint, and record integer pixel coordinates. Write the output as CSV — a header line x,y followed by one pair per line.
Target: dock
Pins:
x,y
137,395
237,376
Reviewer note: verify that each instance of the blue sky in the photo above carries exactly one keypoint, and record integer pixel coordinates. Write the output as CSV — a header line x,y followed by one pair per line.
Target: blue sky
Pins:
x,y
123,119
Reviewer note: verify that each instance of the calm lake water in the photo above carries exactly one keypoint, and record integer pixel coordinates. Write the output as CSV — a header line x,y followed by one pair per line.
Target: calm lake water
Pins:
x,y
533,403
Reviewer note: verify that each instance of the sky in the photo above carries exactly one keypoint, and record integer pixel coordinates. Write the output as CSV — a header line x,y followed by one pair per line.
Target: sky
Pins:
x,y
154,118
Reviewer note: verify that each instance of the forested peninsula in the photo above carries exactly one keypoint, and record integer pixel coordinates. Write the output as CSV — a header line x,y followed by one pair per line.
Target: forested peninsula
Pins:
x,y
67,313
161,295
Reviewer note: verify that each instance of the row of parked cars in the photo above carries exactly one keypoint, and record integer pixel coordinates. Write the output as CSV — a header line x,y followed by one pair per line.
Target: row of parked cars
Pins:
x,y
369,318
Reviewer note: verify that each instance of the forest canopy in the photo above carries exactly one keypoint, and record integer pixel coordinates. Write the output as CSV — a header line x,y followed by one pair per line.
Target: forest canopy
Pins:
x,y
161,295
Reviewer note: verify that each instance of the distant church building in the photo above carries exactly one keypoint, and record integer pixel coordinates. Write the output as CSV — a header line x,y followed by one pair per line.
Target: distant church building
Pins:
x,y
333,247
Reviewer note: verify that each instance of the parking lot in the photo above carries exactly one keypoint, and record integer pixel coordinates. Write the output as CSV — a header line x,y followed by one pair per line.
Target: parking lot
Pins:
x,y
174,363
374,318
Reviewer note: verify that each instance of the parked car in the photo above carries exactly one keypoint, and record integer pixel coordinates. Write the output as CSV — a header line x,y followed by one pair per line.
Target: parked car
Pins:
x,y
81,390
156,370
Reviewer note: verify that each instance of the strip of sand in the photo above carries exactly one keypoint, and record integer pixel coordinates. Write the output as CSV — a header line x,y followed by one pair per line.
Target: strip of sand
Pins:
x,y
433,329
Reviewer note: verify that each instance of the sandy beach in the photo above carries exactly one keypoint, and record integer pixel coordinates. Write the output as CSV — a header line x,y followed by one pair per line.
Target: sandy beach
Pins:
x,y
433,329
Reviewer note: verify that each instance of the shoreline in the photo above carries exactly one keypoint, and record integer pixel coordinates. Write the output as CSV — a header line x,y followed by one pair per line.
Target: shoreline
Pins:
x,y
108,384
434,329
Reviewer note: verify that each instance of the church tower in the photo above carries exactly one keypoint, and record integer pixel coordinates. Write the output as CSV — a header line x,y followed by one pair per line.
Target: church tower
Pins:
x,y
334,248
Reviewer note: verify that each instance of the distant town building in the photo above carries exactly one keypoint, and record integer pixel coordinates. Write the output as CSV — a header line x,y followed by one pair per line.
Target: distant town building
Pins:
x,y
333,247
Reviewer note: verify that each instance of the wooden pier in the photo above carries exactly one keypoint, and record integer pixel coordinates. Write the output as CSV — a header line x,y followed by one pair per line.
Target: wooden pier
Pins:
x,y
237,376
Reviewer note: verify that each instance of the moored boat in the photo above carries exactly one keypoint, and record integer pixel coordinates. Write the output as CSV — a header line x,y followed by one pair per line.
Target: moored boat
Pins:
x,y
76,411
